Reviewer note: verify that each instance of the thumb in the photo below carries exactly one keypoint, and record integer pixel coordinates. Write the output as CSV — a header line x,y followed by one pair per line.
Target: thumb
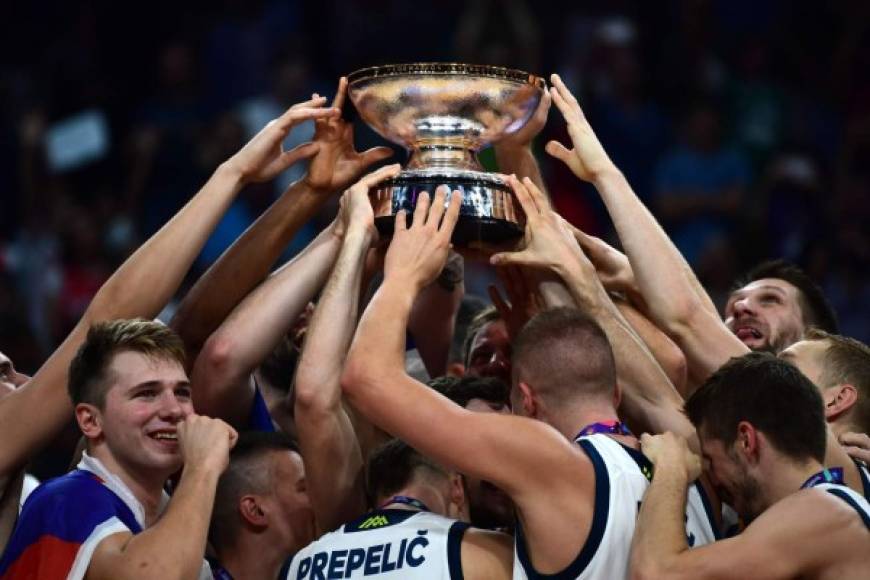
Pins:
x,y
559,151
512,258
303,151
374,155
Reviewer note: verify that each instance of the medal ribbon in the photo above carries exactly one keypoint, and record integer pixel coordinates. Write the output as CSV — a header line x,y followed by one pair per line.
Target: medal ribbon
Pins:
x,y
833,475
404,499
612,427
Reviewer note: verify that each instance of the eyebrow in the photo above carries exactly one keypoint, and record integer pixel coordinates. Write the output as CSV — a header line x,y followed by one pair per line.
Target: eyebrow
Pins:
x,y
147,384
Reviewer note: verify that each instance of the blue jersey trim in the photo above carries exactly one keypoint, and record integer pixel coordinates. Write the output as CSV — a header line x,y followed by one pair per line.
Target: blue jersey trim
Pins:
x,y
865,479
596,531
708,508
454,550
259,418
845,497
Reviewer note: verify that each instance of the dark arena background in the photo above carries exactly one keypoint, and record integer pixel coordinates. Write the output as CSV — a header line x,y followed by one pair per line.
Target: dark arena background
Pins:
x,y
114,113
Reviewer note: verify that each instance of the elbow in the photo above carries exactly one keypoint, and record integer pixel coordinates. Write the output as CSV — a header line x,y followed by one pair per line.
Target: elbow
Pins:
x,y
218,356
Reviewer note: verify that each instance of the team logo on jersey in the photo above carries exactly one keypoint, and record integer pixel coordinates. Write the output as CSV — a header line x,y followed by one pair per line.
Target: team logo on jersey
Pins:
x,y
374,522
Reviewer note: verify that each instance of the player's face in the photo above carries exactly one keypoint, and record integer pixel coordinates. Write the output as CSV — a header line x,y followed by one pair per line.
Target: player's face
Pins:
x,y
765,315
731,479
488,506
10,379
491,352
294,519
147,399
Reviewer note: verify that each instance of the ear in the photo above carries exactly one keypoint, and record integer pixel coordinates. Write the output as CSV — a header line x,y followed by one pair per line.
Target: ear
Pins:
x,y
747,441
90,420
528,399
458,508
252,512
839,400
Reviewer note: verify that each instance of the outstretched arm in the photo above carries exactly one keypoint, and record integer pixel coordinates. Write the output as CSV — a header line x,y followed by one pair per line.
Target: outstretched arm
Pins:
x,y
333,458
335,165
649,398
140,287
677,302
222,372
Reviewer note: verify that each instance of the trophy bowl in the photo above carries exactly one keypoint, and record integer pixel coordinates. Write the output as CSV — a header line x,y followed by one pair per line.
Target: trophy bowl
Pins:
x,y
443,114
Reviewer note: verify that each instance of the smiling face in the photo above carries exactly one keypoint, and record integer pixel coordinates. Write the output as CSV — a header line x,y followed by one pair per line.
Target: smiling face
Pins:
x,y
766,315
136,428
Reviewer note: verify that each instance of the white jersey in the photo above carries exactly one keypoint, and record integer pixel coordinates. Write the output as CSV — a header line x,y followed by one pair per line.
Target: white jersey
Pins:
x,y
855,500
621,479
387,543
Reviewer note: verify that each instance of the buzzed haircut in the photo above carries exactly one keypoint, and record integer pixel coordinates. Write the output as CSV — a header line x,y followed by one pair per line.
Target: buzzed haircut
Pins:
x,y
816,309
249,471
564,354
846,361
393,466
464,389
481,319
769,393
88,380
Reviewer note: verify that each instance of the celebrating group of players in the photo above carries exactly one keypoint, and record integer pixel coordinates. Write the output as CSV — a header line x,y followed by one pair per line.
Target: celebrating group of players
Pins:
x,y
256,438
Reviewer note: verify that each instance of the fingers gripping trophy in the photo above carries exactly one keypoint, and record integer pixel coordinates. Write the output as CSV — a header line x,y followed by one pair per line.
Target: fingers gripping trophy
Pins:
x,y
443,114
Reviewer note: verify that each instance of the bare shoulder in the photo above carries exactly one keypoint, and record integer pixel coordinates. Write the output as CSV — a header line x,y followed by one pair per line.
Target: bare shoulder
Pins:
x,y
487,554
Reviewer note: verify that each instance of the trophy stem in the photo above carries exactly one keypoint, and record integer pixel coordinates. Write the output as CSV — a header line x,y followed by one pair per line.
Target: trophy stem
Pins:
x,y
442,155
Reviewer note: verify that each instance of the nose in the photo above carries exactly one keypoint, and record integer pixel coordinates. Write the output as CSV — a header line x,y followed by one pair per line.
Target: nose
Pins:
x,y
170,407
743,307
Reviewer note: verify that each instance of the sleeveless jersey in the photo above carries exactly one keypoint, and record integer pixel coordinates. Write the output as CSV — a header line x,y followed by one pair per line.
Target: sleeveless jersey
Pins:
x,y
387,543
621,479
855,500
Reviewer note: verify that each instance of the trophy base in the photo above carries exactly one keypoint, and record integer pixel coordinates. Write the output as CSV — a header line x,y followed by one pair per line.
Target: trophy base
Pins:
x,y
489,213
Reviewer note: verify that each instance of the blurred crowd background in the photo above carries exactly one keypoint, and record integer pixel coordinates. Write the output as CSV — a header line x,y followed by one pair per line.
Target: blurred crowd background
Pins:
x,y
744,124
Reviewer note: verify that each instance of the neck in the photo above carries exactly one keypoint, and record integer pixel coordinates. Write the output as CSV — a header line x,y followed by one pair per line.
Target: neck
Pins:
x,y
840,426
146,487
570,421
423,492
785,477
252,557
836,456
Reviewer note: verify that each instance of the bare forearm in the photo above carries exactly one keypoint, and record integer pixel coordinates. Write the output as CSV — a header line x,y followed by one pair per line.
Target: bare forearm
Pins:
x,y
174,547
649,397
432,323
244,264
667,283
331,328
660,534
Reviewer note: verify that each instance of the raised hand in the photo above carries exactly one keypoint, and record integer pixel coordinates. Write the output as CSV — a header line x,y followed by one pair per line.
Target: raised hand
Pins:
x,y
205,443
547,243
263,157
669,451
355,208
527,134
417,254
611,265
587,159
336,163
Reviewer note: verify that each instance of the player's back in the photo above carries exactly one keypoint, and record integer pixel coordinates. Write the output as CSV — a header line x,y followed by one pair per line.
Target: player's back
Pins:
x,y
855,565
388,543
622,476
